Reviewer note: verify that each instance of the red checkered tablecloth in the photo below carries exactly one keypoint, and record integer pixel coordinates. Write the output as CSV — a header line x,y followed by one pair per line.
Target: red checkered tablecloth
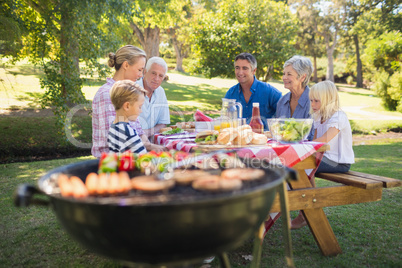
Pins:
x,y
278,154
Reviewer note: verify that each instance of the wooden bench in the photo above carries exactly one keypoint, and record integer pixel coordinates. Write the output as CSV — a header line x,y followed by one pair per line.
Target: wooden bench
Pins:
x,y
353,188
361,180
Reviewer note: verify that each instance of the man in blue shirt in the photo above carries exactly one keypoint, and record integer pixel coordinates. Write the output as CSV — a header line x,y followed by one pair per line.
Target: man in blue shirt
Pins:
x,y
250,90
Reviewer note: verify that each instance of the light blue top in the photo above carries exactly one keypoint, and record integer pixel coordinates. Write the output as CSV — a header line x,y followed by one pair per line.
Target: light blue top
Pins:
x,y
302,109
261,92
155,111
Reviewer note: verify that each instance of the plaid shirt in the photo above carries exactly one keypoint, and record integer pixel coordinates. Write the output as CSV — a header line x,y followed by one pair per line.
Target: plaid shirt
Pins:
x,y
103,114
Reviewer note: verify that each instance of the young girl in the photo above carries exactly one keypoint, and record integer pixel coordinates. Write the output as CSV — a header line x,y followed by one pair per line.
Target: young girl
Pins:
x,y
331,125
127,98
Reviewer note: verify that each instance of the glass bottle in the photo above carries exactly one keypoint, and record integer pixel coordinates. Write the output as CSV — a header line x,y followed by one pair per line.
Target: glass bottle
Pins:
x,y
256,123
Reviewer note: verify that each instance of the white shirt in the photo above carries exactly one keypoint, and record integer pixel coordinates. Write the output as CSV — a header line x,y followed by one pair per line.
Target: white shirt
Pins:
x,y
155,111
341,150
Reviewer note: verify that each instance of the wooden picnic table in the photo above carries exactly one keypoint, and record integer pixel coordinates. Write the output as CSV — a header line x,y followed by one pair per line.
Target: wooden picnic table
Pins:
x,y
353,187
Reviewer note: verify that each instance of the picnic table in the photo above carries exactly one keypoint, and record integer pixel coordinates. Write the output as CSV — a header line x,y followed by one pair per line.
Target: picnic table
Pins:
x,y
352,188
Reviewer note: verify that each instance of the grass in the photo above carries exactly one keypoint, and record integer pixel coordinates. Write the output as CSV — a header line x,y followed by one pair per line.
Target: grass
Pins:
x,y
369,233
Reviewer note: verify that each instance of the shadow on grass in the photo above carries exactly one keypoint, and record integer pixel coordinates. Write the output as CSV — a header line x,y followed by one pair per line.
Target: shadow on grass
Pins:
x,y
32,99
26,70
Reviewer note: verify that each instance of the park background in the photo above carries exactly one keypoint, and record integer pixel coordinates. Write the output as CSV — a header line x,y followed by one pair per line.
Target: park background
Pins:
x,y
53,58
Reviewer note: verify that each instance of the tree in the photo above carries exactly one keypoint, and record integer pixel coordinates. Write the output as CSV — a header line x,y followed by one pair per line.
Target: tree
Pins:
x,y
385,54
264,28
58,35
153,16
328,20
367,19
307,39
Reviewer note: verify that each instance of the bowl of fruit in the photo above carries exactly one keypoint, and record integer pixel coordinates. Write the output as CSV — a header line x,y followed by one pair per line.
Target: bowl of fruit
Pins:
x,y
289,130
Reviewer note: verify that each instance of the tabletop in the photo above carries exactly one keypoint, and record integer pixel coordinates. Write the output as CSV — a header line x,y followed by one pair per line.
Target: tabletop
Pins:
x,y
278,154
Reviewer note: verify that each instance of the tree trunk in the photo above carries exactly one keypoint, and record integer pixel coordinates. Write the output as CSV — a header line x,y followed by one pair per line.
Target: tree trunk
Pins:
x,y
330,68
149,39
69,60
359,67
315,78
177,49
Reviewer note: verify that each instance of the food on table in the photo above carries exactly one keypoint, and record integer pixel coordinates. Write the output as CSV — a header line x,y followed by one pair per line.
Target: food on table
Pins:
x,y
165,129
200,116
290,130
185,177
216,183
207,137
227,135
244,137
151,184
244,174
259,139
172,131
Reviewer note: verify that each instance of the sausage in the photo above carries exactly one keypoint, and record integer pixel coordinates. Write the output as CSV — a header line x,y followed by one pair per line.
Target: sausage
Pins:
x,y
65,185
92,182
79,189
124,182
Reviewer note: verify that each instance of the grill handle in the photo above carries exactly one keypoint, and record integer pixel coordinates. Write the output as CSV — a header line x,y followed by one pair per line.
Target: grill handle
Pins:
x,y
23,196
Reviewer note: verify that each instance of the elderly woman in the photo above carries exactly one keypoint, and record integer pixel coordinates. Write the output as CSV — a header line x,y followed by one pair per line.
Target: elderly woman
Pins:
x,y
296,75
296,104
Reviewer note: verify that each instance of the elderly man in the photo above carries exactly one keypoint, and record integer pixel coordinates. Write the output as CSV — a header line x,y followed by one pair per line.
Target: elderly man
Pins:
x,y
250,90
155,110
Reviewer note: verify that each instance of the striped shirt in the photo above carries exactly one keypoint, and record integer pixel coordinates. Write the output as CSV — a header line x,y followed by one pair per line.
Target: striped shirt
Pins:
x,y
103,114
123,137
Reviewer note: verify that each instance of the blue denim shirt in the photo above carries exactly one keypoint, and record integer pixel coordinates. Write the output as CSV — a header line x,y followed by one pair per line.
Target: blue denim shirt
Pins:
x,y
262,93
302,109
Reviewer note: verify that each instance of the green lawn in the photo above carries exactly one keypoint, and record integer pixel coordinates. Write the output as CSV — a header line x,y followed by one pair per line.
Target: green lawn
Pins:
x,y
369,233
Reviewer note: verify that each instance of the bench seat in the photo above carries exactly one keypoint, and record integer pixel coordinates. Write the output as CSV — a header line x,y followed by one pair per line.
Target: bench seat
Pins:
x,y
361,180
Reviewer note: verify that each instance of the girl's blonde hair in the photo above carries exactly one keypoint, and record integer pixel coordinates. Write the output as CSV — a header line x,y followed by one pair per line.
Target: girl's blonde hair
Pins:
x,y
327,93
128,53
125,91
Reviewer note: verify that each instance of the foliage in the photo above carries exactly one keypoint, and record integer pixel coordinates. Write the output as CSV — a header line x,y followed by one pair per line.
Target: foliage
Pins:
x,y
264,28
60,34
384,54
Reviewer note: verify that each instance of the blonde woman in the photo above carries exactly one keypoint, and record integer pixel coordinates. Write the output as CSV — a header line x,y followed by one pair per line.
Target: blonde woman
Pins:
x,y
129,62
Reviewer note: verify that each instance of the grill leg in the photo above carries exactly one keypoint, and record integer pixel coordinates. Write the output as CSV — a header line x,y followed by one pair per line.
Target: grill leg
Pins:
x,y
283,197
224,259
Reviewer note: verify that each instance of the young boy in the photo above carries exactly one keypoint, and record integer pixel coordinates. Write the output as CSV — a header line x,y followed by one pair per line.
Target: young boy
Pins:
x,y
127,98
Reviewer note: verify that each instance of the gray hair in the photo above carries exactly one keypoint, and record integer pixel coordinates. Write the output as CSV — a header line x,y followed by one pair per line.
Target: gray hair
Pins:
x,y
301,65
156,60
247,56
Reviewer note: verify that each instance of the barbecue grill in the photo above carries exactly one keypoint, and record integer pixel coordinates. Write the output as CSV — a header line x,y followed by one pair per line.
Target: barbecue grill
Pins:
x,y
180,226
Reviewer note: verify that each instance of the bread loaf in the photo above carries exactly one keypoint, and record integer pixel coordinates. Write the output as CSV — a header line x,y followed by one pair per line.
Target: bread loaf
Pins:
x,y
227,135
259,139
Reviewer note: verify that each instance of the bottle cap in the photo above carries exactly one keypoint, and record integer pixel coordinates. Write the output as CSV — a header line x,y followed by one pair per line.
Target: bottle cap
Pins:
x,y
256,104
